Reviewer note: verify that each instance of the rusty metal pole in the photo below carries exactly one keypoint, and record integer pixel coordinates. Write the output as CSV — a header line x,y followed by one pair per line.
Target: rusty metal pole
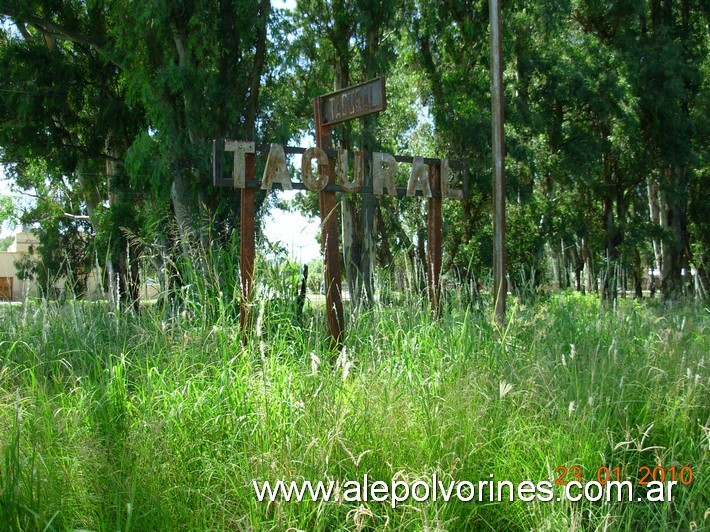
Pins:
x,y
248,248
434,249
500,288
329,238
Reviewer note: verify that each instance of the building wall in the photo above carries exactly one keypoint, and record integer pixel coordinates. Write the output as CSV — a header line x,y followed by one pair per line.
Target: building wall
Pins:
x,y
22,289
22,243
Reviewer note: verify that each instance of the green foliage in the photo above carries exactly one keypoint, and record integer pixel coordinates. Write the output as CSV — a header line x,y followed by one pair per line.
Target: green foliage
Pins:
x,y
8,211
589,117
120,421
118,103
6,242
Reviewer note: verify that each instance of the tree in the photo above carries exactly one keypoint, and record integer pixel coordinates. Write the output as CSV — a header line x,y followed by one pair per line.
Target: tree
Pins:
x,y
64,112
591,113
132,98
346,43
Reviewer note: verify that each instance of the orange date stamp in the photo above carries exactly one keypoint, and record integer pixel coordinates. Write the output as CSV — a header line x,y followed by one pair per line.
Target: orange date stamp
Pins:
x,y
646,474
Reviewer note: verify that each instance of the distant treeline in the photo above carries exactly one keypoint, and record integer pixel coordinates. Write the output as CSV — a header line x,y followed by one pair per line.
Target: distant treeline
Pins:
x,y
108,111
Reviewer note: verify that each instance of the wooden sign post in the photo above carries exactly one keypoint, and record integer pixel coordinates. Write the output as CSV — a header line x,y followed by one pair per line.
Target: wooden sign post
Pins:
x,y
247,238
244,172
329,237
335,108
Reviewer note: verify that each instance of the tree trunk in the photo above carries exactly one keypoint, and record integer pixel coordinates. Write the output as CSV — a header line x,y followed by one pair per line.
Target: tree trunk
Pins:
x,y
385,257
184,207
578,262
367,215
257,68
609,286
653,210
588,266
124,278
351,249
674,256
638,275
420,267
700,291
367,219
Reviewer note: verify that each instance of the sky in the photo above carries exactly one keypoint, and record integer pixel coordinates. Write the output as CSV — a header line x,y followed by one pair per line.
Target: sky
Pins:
x,y
286,4
296,232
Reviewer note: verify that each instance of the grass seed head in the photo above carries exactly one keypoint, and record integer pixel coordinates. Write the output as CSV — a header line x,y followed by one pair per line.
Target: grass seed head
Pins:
x,y
504,388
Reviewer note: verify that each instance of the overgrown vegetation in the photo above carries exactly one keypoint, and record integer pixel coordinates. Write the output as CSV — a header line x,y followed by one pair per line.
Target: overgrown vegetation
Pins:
x,y
120,416
161,421
108,110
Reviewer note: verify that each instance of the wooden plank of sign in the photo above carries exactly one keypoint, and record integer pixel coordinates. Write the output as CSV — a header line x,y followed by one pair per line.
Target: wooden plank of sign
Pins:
x,y
263,149
333,187
352,102
297,150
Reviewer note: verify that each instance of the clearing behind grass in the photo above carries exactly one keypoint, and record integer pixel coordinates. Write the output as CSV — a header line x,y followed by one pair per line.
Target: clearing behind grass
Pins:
x,y
161,421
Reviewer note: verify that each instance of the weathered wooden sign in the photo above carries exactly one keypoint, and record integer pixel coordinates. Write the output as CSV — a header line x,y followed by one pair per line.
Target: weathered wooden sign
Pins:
x,y
428,178
353,102
384,170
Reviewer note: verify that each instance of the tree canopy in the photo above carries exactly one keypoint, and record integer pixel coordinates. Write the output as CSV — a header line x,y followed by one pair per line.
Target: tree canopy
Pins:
x,y
108,110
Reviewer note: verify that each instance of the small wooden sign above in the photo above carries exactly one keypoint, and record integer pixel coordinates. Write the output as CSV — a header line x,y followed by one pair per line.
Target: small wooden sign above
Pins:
x,y
353,102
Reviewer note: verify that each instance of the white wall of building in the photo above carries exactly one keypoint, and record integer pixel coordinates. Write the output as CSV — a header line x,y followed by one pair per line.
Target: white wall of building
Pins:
x,y
22,289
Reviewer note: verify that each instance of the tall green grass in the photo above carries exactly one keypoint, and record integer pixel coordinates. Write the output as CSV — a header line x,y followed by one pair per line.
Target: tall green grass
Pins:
x,y
113,421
